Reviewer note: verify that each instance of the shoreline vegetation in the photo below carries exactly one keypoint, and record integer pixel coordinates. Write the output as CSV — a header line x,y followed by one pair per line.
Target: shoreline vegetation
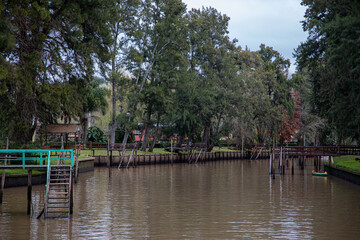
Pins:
x,y
351,163
155,151
87,153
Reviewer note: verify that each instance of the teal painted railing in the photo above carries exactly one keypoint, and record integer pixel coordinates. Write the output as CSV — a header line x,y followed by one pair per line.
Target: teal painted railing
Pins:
x,y
37,157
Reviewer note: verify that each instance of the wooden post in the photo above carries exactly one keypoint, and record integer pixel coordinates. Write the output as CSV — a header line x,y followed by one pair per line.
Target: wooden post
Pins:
x,y
331,161
2,186
71,195
270,164
76,168
108,157
111,158
281,152
29,191
171,145
242,146
3,175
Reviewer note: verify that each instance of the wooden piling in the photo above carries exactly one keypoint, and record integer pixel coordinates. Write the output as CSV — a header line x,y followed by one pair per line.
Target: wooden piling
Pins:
x,y
108,154
3,175
71,196
29,192
2,186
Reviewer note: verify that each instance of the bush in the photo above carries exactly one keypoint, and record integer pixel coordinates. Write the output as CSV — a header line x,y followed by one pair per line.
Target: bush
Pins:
x,y
95,134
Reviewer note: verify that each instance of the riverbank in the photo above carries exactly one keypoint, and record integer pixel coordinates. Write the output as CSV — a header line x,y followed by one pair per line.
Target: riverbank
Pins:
x,y
88,163
21,179
149,159
345,167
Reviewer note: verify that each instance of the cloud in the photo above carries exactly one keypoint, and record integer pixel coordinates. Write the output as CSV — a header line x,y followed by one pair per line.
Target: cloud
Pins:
x,y
275,23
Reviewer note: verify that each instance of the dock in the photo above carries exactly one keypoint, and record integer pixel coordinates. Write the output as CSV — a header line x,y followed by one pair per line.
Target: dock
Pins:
x,y
59,167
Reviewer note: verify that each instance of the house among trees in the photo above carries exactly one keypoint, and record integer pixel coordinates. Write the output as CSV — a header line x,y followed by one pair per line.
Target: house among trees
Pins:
x,y
56,135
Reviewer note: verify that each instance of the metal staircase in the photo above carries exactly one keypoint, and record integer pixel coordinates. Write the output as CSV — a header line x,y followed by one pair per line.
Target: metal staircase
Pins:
x,y
59,192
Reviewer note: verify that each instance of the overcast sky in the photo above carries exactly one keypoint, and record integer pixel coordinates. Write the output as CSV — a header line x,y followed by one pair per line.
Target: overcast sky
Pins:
x,y
275,23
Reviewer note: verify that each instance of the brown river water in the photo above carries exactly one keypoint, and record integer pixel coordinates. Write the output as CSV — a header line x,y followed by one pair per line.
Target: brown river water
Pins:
x,y
215,200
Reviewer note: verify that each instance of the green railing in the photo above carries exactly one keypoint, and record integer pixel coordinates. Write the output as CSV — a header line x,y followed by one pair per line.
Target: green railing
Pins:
x,y
26,157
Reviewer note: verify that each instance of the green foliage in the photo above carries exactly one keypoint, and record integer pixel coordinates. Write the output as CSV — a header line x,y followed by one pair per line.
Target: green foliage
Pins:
x,y
331,54
185,72
123,124
48,54
349,162
16,172
95,134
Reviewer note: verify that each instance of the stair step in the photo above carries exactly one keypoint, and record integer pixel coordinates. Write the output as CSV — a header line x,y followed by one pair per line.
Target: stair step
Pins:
x,y
58,188
57,211
53,197
65,200
58,216
55,184
58,207
58,195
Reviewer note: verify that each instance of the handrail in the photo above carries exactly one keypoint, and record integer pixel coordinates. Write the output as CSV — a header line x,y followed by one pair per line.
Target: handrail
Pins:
x,y
323,150
23,158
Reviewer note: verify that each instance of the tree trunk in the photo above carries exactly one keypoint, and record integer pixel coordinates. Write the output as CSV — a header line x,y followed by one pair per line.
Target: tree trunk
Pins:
x,y
180,139
84,121
206,136
146,134
113,121
155,134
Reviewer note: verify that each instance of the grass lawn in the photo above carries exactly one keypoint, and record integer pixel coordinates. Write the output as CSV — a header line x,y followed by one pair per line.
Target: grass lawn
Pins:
x,y
18,171
85,153
217,149
348,162
104,152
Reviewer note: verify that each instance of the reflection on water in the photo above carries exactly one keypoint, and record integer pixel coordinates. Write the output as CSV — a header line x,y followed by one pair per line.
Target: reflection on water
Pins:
x,y
216,200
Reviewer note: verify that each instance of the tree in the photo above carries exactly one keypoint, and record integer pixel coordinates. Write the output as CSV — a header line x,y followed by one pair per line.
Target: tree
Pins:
x,y
122,21
331,55
211,67
56,44
154,56
94,98
291,123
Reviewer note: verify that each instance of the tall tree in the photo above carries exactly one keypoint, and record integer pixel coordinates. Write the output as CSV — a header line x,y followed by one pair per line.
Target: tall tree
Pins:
x,y
94,99
331,55
154,55
211,67
122,21
56,43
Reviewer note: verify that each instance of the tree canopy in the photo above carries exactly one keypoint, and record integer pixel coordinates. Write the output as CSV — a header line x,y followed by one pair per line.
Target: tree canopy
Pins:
x,y
173,67
331,56
48,51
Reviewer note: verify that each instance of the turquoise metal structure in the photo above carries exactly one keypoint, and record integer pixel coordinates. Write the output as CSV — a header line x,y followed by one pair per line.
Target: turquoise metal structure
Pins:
x,y
35,158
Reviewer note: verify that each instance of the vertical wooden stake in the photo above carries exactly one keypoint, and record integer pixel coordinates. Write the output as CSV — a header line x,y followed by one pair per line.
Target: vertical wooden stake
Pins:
x,y
71,195
2,186
281,164
172,160
29,191
3,175
108,157
270,164
76,168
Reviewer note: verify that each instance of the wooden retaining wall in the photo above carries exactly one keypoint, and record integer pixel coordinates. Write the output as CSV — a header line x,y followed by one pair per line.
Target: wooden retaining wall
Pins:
x,y
148,159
